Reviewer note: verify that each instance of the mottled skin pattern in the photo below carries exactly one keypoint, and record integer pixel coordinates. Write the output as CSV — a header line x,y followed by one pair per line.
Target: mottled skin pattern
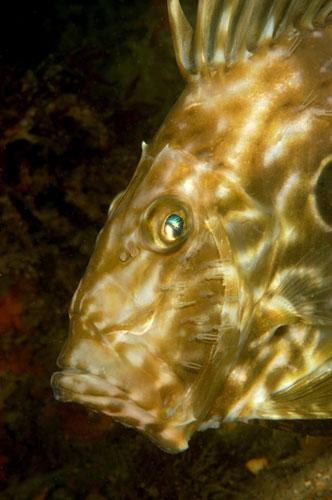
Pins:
x,y
236,322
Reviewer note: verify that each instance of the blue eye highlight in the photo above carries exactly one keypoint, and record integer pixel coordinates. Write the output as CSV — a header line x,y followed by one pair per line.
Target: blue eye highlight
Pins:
x,y
173,227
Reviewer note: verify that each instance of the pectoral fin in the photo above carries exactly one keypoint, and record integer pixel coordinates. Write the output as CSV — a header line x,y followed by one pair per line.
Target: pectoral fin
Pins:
x,y
309,397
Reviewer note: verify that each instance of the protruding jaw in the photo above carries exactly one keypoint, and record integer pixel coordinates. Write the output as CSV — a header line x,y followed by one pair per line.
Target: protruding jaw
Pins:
x,y
103,379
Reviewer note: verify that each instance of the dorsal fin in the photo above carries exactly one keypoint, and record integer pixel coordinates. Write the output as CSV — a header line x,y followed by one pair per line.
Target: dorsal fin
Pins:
x,y
227,31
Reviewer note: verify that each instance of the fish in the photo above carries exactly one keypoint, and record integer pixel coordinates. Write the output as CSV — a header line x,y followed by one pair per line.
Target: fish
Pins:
x,y
208,297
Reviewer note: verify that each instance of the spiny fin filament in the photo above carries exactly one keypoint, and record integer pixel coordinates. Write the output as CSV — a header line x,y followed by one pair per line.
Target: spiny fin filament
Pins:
x,y
227,31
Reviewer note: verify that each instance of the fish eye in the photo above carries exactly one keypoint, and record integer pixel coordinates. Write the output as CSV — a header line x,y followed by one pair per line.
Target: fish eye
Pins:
x,y
166,224
115,201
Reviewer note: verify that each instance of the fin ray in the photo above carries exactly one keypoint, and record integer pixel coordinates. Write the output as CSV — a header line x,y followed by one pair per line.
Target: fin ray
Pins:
x,y
307,286
203,33
228,31
182,36
309,397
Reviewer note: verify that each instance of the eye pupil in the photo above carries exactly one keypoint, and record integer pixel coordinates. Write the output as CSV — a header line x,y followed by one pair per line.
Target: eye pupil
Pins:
x,y
174,226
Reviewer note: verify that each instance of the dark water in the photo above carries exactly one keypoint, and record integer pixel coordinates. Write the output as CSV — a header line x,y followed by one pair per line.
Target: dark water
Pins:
x,y
82,84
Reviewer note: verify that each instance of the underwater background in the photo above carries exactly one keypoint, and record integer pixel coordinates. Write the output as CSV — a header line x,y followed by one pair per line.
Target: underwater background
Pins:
x,y
82,84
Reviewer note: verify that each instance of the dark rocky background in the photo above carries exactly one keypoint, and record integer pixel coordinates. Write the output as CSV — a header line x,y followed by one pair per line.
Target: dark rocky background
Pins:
x,y
81,85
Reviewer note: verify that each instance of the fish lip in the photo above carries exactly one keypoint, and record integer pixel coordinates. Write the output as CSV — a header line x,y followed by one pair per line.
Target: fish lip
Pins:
x,y
110,400
172,438
60,390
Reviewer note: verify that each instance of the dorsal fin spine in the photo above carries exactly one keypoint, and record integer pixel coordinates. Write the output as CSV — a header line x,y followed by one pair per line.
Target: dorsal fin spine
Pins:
x,y
273,17
239,46
202,40
182,37
224,33
324,13
311,13
228,31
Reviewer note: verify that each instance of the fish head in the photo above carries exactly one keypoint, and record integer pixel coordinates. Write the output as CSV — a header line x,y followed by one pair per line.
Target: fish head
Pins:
x,y
208,296
147,312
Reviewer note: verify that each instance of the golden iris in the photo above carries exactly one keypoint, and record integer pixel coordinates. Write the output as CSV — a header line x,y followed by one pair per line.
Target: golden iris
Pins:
x,y
166,224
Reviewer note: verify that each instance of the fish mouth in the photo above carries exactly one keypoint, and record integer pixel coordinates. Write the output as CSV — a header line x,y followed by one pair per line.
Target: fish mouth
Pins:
x,y
74,385
95,392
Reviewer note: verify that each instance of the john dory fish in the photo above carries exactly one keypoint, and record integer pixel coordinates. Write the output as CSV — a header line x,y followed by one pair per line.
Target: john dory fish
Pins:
x,y
208,297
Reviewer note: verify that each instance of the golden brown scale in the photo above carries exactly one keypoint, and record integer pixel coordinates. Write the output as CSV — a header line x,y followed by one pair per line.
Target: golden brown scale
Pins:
x,y
209,294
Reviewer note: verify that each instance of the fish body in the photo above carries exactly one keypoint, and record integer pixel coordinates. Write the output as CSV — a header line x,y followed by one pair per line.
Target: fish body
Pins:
x,y
208,297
